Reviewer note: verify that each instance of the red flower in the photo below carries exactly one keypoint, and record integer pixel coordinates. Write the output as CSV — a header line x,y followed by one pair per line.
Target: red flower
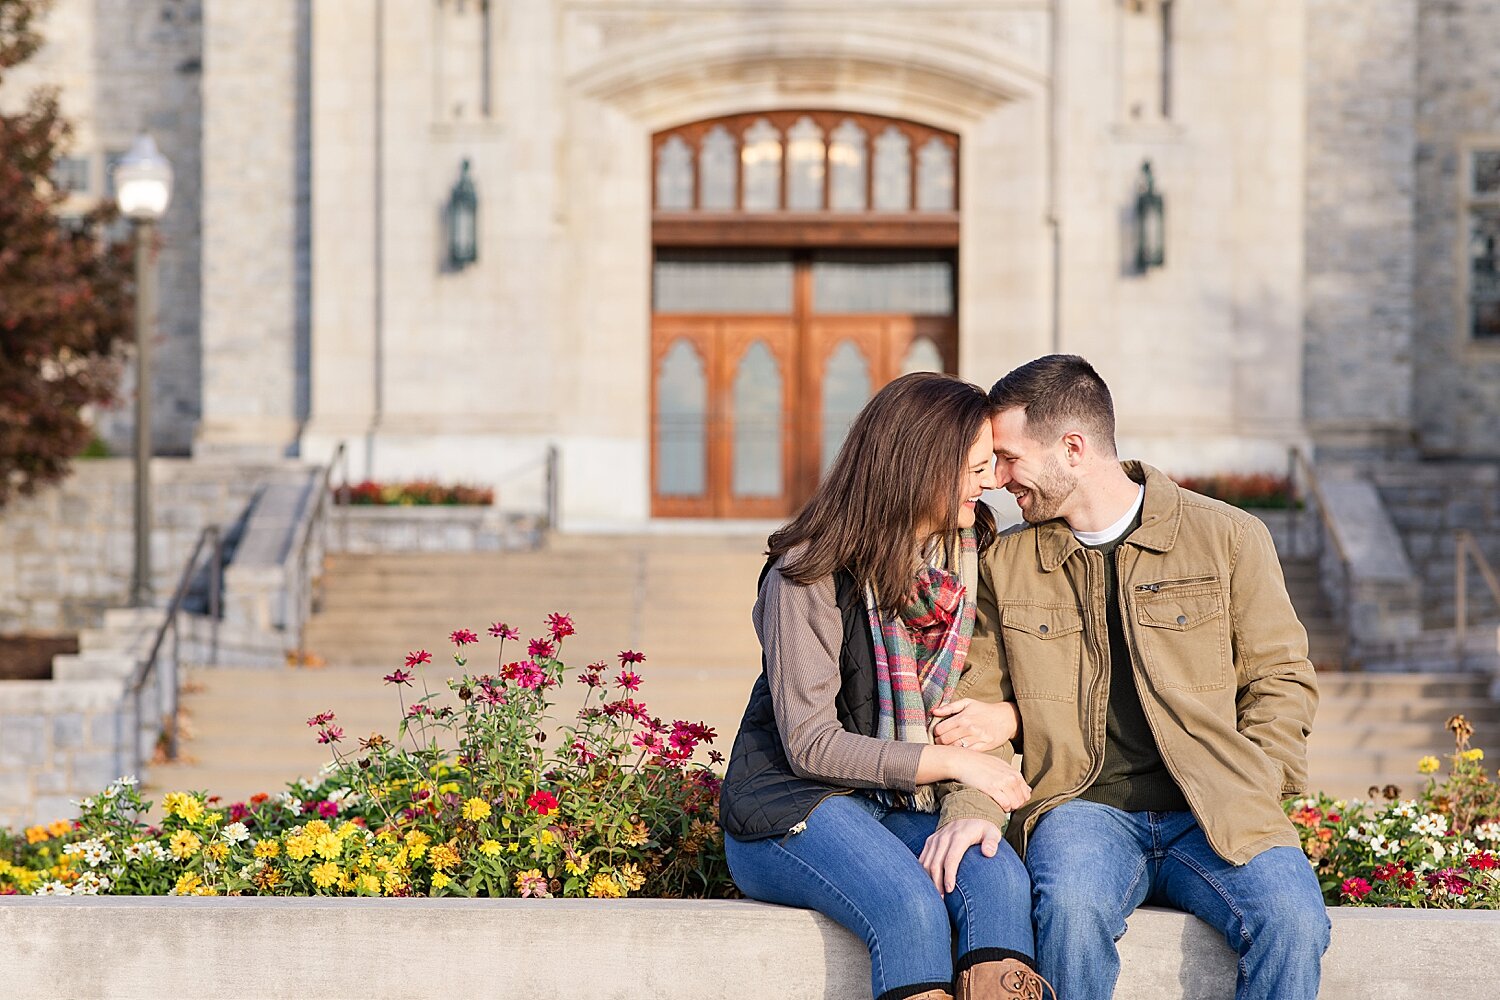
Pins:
x,y
582,752
1481,861
419,657
560,625
500,630
1355,888
1388,872
714,757
1449,879
462,637
629,680
1307,816
330,735
258,798
398,677
631,656
543,803
321,719
540,649
590,678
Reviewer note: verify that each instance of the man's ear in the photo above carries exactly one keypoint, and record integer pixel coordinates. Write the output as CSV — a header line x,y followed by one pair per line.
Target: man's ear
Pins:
x,y
1075,448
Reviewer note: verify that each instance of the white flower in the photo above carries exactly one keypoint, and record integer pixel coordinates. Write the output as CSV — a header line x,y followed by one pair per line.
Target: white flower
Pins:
x,y
1431,825
1487,832
128,781
236,833
53,888
111,791
137,851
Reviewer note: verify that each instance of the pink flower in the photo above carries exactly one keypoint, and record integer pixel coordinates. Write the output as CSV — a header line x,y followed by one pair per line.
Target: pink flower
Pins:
x,y
418,658
1449,879
321,719
542,803
590,678
560,625
398,677
1355,888
582,752
714,757
330,735
417,711
648,741
500,630
327,809
462,637
540,649
532,887
631,656
629,680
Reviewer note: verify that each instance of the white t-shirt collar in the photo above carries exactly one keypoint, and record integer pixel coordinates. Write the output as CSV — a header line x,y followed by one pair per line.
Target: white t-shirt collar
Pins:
x,y
1116,530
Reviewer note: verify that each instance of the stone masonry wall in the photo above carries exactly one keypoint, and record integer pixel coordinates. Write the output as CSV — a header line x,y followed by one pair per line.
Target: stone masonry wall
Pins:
x,y
1361,119
1457,379
66,554
1428,504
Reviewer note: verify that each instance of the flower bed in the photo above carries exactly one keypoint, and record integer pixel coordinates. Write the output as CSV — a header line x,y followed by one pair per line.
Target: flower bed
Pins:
x,y
1251,491
416,493
1437,850
465,801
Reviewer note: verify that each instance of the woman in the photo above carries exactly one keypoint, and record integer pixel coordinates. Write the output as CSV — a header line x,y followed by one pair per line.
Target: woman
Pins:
x,y
836,798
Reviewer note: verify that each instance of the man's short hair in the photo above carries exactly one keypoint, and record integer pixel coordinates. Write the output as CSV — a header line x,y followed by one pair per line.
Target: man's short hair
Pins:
x,y
1059,393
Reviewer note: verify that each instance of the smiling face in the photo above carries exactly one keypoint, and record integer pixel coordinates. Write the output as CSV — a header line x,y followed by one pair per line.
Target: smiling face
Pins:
x,y
978,475
1032,471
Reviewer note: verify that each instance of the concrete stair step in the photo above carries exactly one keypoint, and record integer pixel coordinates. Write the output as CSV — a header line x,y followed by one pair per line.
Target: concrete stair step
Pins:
x,y
1364,736
1403,685
1434,712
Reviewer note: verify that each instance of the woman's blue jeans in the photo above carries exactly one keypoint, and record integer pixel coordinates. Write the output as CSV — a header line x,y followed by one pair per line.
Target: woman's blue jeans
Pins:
x,y
857,863
1092,865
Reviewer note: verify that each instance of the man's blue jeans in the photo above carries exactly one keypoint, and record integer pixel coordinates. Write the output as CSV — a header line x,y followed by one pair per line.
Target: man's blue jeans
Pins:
x,y
1092,865
857,863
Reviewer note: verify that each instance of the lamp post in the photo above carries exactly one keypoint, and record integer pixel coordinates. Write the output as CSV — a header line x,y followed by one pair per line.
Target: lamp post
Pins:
x,y
1150,223
463,221
143,189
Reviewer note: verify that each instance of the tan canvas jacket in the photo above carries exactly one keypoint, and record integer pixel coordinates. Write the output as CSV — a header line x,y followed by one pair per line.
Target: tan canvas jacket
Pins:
x,y
1220,661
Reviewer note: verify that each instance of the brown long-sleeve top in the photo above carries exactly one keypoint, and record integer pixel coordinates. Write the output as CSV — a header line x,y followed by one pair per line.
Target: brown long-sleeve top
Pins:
x,y
801,631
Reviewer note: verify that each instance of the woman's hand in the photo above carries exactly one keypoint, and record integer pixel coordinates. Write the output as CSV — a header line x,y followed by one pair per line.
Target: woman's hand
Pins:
x,y
976,725
946,848
995,778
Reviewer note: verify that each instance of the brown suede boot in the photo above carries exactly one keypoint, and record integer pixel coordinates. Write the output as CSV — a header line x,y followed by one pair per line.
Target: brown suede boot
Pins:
x,y
1009,979
932,995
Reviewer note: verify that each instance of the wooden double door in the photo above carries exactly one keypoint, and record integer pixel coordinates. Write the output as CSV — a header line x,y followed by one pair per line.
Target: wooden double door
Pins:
x,y
750,403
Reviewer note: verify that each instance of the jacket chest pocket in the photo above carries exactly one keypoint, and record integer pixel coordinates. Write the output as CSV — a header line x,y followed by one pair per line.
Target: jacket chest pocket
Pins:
x,y
1043,650
1183,635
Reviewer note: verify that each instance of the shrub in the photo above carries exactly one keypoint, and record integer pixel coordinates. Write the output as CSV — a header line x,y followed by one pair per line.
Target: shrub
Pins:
x,y
417,493
1259,490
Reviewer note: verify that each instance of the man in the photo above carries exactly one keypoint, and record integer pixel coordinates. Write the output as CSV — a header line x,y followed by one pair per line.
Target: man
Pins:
x,y
1165,698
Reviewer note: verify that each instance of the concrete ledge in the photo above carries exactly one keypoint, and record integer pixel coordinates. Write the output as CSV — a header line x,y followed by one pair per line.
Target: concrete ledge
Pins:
x,y
624,950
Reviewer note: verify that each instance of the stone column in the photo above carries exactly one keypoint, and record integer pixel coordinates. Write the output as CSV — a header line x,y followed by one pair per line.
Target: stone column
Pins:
x,y
254,227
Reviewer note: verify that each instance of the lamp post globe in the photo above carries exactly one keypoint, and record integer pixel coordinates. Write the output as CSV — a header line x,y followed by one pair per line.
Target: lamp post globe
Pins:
x,y
143,190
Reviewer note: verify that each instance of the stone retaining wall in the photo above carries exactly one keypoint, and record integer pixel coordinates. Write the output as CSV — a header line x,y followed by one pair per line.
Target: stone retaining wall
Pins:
x,y
377,529
626,950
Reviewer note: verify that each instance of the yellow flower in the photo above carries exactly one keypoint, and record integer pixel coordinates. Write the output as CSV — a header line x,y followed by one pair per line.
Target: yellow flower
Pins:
x,y
185,844
325,874
1474,754
636,834
316,829
188,885
370,884
631,878
1427,765
576,867
476,809
188,807
543,840
489,848
59,827
214,818
299,846
442,857
393,882
217,851
417,838
439,880
604,886
448,788
266,848
347,829
329,845
37,834
514,847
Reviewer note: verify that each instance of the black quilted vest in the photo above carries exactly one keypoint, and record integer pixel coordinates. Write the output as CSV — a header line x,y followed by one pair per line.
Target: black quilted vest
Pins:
x,y
761,797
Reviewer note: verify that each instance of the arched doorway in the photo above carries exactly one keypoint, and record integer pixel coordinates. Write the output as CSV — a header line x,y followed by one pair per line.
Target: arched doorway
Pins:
x,y
802,260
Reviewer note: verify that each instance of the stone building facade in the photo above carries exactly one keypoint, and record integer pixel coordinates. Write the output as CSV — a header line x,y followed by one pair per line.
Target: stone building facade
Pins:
x,y
1323,165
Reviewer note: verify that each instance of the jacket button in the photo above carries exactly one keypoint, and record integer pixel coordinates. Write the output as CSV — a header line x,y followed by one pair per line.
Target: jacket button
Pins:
x,y
1042,629
1182,619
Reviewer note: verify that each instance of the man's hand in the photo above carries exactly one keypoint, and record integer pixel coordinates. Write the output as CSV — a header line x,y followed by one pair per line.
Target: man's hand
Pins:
x,y
946,848
976,725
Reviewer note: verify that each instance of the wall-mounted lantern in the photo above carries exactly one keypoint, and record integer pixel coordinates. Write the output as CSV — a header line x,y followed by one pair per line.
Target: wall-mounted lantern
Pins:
x,y
1150,223
463,222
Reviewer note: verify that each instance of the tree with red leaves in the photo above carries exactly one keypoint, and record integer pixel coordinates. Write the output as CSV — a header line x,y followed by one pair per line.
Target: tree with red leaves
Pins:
x,y
65,295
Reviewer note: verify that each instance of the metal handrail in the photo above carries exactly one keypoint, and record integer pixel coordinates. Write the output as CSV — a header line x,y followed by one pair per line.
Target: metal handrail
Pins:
x,y
302,597
1466,547
210,536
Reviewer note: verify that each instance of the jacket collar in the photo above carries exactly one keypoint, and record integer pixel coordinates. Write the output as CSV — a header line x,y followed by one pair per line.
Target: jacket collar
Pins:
x,y
1161,516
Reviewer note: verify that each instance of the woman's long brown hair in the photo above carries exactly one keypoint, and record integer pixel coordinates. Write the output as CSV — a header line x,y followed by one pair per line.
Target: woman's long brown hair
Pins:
x,y
900,470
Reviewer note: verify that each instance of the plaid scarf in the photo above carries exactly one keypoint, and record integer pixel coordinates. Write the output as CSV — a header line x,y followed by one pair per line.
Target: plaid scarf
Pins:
x,y
919,655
